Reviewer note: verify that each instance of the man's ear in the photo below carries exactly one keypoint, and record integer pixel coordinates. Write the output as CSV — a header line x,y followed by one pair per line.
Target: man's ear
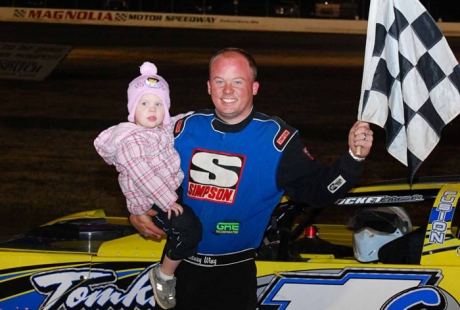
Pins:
x,y
209,88
255,88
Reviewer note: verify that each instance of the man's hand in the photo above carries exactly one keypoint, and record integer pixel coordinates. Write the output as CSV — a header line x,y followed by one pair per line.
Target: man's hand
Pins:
x,y
360,135
144,224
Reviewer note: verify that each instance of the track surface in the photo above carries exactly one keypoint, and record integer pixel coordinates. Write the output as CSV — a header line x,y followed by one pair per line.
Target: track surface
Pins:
x,y
48,163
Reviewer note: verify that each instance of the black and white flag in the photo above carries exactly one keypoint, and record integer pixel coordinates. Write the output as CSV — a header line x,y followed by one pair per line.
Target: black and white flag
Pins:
x,y
411,79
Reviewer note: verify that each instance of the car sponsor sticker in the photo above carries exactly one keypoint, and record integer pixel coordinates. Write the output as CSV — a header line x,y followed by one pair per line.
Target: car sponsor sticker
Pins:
x,y
379,199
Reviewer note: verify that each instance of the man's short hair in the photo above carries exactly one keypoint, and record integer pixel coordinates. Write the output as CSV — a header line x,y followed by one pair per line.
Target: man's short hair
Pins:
x,y
242,52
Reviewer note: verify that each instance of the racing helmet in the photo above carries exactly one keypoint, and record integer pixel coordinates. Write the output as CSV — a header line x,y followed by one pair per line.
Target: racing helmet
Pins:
x,y
376,226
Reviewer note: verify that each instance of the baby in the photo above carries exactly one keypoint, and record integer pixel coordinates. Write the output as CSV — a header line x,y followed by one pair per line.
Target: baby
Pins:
x,y
142,150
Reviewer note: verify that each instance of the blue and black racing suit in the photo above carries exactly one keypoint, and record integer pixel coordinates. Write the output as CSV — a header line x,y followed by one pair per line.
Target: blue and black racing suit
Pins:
x,y
235,175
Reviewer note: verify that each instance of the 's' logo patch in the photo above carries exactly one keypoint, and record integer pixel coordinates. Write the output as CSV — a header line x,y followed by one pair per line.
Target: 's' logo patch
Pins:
x,y
214,176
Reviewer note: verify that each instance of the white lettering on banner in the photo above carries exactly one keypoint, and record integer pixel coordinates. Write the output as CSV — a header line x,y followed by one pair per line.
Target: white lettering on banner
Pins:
x,y
190,19
19,66
50,49
72,15
37,56
29,61
239,21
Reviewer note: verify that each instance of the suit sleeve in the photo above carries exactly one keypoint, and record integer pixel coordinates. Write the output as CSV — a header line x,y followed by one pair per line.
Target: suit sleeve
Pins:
x,y
306,180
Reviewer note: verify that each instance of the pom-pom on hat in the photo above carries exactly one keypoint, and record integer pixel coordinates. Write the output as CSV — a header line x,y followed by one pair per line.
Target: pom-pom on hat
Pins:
x,y
148,83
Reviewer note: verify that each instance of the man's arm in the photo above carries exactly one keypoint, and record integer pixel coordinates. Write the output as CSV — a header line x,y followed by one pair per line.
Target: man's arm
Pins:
x,y
306,180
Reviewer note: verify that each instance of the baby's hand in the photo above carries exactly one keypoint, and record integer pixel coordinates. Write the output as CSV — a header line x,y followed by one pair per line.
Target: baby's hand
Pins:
x,y
177,208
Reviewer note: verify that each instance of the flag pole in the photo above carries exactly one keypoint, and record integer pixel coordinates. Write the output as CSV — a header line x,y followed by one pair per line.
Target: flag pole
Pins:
x,y
370,39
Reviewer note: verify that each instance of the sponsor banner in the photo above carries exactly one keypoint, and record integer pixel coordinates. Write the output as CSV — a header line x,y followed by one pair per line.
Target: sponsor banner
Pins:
x,y
21,61
152,19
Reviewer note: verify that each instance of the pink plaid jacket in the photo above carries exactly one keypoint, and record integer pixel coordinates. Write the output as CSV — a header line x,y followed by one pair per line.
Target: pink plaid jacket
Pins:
x,y
147,162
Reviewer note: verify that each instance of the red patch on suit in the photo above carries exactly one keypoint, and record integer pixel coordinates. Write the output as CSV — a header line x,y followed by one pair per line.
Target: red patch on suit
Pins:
x,y
178,126
305,151
283,137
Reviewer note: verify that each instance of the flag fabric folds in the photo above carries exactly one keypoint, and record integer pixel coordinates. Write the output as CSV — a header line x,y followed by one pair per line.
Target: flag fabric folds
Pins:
x,y
411,79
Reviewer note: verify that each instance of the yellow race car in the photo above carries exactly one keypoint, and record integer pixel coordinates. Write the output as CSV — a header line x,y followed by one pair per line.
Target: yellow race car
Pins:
x,y
378,260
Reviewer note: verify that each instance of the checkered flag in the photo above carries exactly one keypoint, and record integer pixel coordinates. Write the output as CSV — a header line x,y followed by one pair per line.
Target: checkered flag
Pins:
x,y
411,79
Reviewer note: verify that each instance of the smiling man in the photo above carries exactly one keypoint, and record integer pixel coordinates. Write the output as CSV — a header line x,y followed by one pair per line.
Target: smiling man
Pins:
x,y
238,163
232,86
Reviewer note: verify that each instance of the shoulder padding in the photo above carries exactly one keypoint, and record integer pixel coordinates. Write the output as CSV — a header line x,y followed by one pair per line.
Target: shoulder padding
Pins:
x,y
180,124
284,134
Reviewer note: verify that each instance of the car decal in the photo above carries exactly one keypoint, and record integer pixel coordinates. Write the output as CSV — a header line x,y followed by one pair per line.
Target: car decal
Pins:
x,y
439,237
349,288
379,199
85,288
106,287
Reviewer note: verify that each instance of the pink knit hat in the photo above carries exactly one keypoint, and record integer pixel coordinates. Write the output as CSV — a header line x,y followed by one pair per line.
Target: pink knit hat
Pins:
x,y
148,83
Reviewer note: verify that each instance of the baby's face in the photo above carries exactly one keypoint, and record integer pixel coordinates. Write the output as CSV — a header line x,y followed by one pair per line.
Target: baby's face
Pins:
x,y
150,111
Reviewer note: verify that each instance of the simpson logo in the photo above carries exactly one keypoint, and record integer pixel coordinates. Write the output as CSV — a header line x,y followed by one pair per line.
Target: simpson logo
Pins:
x,y
283,137
214,177
336,184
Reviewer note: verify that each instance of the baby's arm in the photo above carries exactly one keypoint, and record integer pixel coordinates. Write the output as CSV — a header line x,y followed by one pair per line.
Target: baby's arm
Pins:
x,y
177,209
177,117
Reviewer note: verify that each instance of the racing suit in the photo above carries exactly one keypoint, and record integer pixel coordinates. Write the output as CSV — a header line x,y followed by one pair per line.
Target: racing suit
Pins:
x,y
235,175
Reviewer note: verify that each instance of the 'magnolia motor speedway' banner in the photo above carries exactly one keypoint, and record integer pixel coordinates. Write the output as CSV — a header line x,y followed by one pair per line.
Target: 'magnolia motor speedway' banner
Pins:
x,y
153,19
223,22
20,61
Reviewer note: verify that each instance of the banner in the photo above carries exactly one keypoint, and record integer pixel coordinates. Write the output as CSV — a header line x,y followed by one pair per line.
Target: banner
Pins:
x,y
21,61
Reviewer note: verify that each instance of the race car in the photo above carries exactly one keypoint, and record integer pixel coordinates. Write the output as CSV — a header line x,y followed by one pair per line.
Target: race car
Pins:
x,y
380,259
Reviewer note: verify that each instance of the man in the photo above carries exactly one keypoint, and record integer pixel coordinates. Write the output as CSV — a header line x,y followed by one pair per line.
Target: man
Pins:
x,y
238,163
